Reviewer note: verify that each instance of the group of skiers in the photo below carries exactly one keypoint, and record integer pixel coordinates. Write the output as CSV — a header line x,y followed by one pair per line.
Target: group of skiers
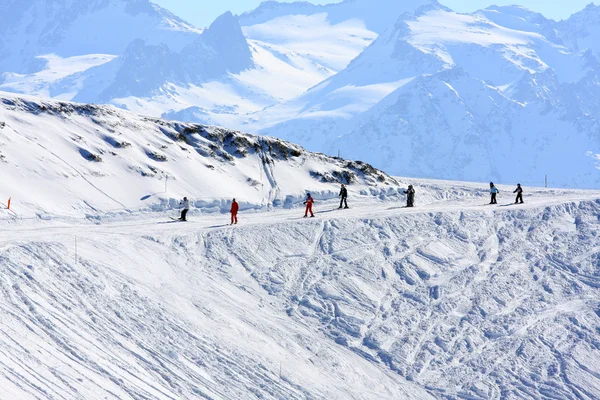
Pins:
x,y
309,201
185,207
494,192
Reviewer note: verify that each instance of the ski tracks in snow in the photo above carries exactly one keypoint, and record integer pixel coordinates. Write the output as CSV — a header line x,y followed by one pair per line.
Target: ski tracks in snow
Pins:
x,y
428,293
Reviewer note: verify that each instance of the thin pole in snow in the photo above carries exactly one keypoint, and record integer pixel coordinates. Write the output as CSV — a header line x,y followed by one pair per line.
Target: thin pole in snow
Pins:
x,y
339,154
546,181
166,182
279,370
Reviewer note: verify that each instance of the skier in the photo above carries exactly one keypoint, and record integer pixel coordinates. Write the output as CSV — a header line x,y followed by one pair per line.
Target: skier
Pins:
x,y
234,210
494,191
344,197
410,196
309,203
519,192
186,207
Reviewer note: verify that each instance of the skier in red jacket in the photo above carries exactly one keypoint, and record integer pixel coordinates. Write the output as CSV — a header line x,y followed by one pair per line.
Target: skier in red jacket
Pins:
x,y
309,203
234,210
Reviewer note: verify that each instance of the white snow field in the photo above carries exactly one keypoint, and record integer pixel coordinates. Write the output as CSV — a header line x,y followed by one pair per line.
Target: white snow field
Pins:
x,y
104,297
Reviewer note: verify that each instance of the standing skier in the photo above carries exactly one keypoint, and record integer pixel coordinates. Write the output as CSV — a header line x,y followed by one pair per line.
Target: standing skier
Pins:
x,y
494,191
234,210
186,207
344,197
519,192
410,196
309,203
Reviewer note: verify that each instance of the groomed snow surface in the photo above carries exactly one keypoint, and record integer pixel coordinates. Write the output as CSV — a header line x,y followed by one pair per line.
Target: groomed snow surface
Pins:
x,y
452,299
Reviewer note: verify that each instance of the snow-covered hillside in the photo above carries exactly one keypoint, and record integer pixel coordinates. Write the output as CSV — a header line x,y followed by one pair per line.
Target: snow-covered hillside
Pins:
x,y
105,296
449,300
62,159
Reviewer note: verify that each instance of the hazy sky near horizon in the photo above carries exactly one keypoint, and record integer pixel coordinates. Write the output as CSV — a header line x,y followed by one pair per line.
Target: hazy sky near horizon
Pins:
x,y
202,12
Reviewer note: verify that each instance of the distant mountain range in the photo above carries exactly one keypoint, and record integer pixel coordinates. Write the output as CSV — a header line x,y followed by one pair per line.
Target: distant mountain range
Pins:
x,y
501,94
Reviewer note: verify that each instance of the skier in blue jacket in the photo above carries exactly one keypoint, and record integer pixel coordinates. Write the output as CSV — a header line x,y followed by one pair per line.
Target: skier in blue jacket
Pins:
x,y
494,191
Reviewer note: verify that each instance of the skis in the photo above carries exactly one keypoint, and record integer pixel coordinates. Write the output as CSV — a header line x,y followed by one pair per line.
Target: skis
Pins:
x,y
178,219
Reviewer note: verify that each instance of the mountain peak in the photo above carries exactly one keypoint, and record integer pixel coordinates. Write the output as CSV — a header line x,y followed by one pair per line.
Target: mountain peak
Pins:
x,y
590,10
225,24
229,47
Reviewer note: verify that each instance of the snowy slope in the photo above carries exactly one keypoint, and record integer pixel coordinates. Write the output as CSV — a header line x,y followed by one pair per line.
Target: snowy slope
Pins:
x,y
97,159
449,300
105,297
134,317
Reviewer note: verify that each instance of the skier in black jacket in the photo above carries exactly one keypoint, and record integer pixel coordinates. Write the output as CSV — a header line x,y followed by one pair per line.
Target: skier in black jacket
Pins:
x,y
410,196
519,192
344,197
185,203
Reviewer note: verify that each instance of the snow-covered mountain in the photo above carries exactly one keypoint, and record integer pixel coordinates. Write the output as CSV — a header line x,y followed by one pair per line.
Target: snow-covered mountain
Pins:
x,y
104,296
334,77
451,125
207,77
71,28
143,69
383,106
582,31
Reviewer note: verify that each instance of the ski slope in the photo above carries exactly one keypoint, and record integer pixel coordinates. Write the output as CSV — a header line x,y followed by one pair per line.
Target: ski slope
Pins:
x,y
451,299
61,159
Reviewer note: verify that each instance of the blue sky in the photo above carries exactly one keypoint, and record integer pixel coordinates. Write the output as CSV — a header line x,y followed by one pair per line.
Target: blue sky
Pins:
x,y
203,12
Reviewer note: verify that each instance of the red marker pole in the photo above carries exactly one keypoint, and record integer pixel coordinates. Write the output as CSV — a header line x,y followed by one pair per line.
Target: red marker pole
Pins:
x,y
8,207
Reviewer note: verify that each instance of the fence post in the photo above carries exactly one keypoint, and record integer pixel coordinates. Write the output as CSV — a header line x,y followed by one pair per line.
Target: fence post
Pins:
x,y
8,206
